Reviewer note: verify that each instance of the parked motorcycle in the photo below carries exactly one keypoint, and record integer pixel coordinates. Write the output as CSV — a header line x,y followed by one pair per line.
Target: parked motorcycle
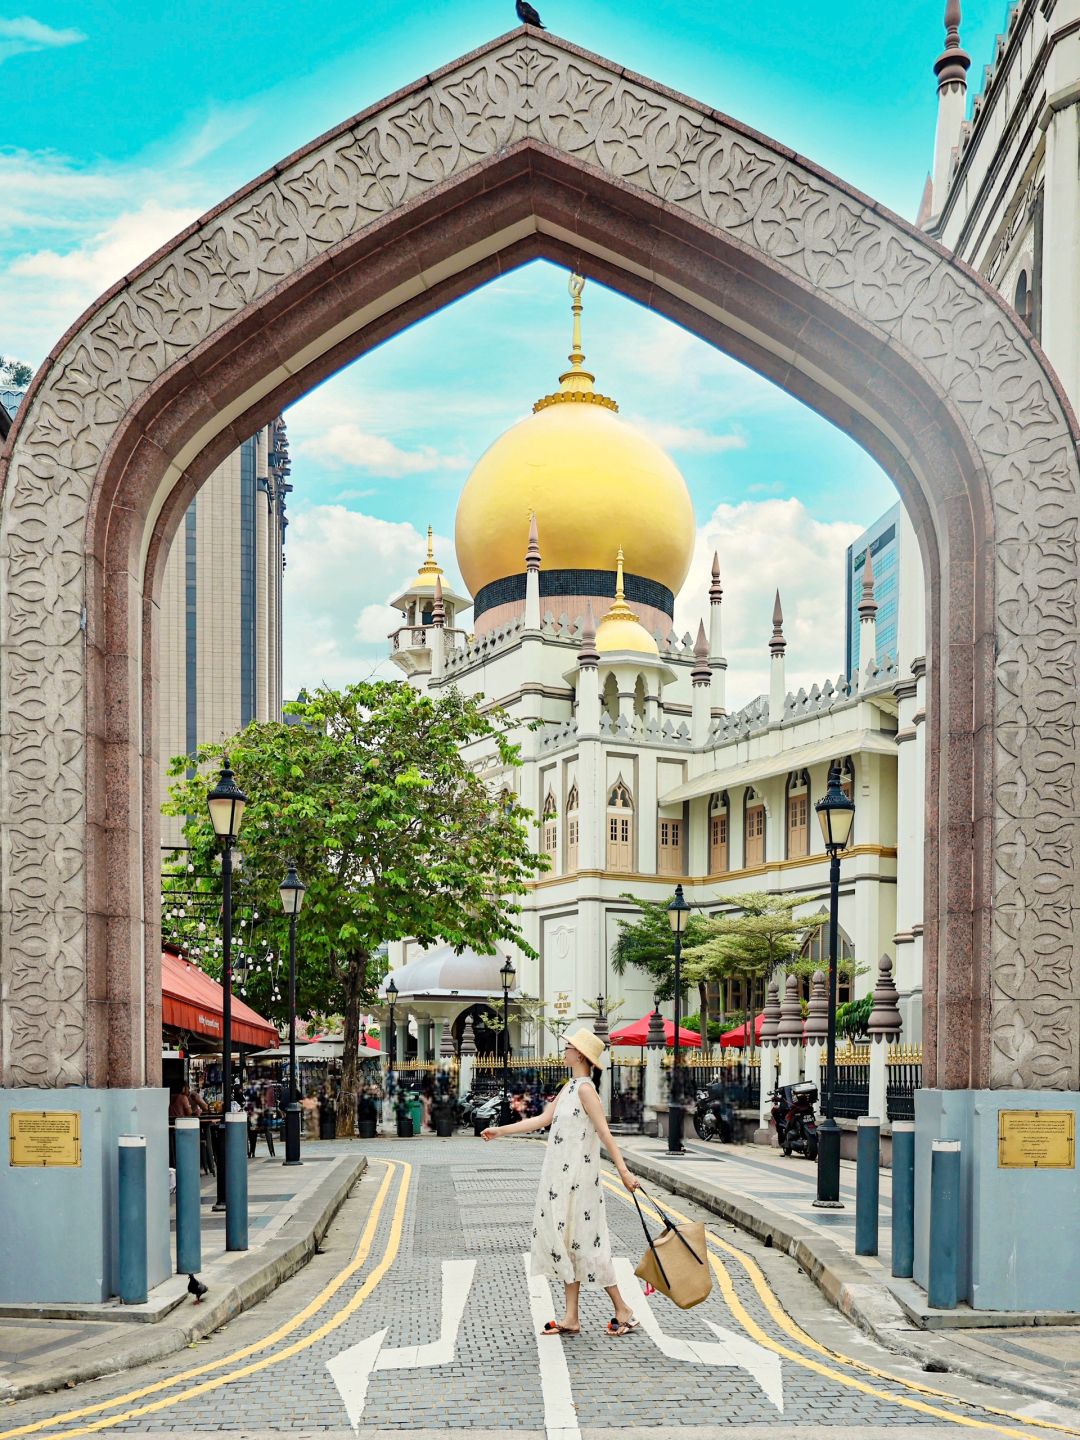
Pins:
x,y
714,1116
794,1118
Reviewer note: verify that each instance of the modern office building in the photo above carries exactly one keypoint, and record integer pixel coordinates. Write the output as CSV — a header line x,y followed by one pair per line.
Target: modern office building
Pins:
x,y
882,540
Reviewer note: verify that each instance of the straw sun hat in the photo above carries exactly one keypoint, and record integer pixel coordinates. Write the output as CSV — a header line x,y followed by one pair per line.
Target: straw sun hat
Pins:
x,y
589,1045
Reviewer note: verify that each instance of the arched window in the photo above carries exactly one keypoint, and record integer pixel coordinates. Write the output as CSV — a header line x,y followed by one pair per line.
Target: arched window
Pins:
x,y
754,829
573,829
1023,299
816,949
611,698
669,844
719,818
639,698
550,831
620,822
798,816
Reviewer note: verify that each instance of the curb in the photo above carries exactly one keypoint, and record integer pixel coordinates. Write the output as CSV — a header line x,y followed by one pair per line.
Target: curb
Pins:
x,y
252,1279
843,1282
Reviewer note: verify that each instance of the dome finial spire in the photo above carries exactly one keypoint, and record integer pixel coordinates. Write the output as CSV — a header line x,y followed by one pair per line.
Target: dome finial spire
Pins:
x,y
620,592
576,285
577,382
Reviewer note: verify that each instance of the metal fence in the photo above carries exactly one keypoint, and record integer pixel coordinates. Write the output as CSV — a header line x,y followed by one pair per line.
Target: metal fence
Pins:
x,y
903,1078
740,1076
532,1077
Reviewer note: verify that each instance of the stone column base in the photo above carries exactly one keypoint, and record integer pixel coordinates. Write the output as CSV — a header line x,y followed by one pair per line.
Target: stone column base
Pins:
x,y
60,1222
1019,1240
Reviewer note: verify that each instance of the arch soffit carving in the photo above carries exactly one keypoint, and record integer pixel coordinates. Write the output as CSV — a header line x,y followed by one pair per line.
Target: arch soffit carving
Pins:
x,y
250,305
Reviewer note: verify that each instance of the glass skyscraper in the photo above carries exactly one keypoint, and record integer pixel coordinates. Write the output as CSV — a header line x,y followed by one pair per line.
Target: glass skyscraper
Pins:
x,y
882,539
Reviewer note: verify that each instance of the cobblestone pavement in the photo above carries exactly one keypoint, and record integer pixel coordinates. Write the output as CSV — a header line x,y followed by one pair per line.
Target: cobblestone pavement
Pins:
x,y
419,1317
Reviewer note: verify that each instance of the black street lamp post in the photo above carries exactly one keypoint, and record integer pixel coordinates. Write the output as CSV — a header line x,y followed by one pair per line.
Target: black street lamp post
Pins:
x,y
391,1000
291,891
508,975
836,814
226,805
677,912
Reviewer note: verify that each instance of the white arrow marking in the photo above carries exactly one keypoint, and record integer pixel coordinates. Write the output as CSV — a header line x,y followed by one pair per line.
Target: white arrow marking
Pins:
x,y
560,1412
352,1369
733,1350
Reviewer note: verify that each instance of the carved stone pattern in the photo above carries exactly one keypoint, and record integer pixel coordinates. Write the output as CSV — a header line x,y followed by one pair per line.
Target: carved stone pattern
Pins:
x,y
530,87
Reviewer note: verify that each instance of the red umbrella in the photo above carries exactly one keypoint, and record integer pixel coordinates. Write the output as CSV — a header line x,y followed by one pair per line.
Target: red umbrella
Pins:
x,y
638,1034
737,1038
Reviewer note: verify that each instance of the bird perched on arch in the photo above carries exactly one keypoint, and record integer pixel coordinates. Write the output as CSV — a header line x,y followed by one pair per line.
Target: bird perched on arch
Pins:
x,y
528,15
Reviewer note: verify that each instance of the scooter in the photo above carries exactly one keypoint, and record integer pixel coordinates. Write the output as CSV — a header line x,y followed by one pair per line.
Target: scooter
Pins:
x,y
714,1118
793,1116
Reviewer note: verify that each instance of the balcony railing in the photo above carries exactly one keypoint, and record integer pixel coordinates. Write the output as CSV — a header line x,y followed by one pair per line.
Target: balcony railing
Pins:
x,y
415,637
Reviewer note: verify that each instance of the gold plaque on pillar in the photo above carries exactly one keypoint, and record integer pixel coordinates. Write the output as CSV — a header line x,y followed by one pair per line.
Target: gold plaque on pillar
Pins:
x,y
45,1137
1036,1140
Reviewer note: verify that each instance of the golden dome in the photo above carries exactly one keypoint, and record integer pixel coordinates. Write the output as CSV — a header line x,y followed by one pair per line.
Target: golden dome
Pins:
x,y
591,479
620,629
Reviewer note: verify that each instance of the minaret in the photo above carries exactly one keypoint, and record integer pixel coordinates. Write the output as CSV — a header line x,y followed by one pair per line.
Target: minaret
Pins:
x,y
716,645
437,632
701,688
867,621
588,690
951,69
532,577
777,647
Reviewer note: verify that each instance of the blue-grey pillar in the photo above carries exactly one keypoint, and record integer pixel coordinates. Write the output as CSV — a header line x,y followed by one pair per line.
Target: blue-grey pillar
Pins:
x,y
903,1198
236,1182
131,1219
941,1289
188,1199
867,1184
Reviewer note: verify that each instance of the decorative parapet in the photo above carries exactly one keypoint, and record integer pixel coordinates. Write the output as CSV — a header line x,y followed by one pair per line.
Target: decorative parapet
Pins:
x,y
645,732
565,733
819,700
880,674
482,648
752,719
885,1022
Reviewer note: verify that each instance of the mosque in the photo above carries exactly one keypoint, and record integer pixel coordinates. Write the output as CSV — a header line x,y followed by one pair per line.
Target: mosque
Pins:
x,y
574,534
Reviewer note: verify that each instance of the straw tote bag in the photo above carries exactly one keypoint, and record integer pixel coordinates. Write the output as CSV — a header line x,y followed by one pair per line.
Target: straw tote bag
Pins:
x,y
676,1262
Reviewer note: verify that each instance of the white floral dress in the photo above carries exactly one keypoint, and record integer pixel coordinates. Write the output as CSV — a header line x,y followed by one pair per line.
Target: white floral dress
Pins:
x,y
570,1234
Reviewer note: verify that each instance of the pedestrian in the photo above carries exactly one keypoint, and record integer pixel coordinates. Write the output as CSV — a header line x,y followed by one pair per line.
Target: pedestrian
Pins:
x,y
310,1107
570,1233
180,1104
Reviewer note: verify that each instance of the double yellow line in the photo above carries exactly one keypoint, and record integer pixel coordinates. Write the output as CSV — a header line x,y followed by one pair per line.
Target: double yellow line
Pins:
x,y
229,1363
785,1323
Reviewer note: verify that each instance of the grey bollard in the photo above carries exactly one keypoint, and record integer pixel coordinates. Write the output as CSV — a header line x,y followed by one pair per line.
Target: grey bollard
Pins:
x,y
903,1199
131,1219
941,1289
867,1184
236,1182
188,1198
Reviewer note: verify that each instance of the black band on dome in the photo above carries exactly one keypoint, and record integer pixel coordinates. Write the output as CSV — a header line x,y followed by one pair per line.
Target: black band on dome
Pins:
x,y
580,583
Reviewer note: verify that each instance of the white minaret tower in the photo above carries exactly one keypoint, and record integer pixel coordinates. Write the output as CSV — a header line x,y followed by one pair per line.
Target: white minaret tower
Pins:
x,y
951,69
867,622
437,631
588,690
701,688
532,577
777,647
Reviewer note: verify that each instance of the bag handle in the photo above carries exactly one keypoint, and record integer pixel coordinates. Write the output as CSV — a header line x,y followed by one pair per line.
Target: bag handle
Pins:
x,y
669,1224
649,1238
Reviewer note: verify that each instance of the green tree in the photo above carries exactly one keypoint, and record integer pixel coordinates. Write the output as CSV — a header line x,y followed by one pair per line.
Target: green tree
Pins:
x,y
649,945
15,373
760,936
393,832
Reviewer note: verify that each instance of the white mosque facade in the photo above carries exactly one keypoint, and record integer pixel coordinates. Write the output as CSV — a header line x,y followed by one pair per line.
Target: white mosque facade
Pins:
x,y
574,534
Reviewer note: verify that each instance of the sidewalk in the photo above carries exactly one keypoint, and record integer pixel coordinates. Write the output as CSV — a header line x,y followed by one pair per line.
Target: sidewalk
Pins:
x,y
761,1192
45,1347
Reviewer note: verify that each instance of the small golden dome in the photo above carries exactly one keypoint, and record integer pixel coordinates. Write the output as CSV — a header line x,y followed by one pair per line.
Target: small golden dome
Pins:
x,y
581,469
620,629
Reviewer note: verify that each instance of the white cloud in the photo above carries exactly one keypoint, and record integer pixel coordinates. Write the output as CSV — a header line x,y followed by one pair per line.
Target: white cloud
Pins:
x,y
23,35
692,439
765,546
347,444
343,567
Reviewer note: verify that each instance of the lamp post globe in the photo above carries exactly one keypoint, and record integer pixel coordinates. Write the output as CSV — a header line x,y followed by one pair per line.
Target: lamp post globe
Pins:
x,y
677,912
836,815
226,803
507,975
292,890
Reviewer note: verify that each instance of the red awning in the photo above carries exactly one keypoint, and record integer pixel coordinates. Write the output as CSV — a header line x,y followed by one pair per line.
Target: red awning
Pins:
x,y
191,1001
739,1037
638,1034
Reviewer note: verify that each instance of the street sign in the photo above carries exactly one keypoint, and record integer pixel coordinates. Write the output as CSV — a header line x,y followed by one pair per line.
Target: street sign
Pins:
x,y
44,1138
1036,1140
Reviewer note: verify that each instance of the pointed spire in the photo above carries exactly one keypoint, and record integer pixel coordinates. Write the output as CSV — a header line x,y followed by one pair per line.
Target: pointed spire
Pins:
x,y
952,64
577,382
868,605
716,590
777,644
588,655
438,609
532,553
701,673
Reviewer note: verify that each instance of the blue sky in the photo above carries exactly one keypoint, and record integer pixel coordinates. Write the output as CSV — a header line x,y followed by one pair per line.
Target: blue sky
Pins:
x,y
123,122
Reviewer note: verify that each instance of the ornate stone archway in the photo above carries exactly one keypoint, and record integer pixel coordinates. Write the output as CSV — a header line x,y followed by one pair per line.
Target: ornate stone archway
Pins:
x,y
531,147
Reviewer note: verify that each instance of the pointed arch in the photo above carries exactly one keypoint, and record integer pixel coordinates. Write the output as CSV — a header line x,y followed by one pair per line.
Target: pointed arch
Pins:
x,y
719,826
573,829
755,829
550,829
621,839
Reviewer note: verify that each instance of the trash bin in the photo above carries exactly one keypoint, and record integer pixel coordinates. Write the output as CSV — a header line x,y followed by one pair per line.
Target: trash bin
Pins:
x,y
416,1111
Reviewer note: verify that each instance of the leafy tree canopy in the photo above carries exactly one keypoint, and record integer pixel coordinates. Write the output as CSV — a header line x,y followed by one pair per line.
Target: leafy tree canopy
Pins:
x,y
15,373
392,831
761,934
648,944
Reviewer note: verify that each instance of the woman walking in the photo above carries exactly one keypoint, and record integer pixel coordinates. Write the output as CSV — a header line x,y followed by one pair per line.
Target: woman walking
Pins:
x,y
570,1233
